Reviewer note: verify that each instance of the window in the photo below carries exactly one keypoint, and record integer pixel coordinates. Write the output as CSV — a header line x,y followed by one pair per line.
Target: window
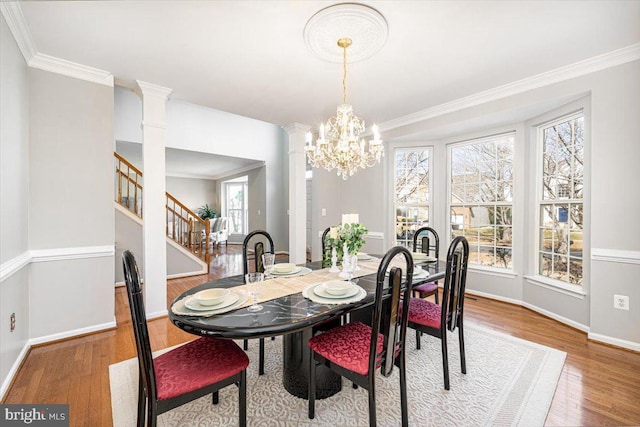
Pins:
x,y
236,205
411,192
481,197
560,232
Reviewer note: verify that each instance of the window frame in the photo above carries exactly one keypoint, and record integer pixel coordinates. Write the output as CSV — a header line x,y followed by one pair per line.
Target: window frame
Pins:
x,y
241,181
537,278
490,269
410,148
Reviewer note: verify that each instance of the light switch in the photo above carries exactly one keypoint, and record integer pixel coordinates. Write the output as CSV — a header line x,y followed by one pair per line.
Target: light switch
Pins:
x,y
324,212
258,212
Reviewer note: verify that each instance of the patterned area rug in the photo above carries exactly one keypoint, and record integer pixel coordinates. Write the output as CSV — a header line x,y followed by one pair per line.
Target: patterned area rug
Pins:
x,y
509,381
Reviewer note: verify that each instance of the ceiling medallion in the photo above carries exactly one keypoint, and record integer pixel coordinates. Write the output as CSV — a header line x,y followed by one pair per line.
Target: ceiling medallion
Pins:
x,y
364,25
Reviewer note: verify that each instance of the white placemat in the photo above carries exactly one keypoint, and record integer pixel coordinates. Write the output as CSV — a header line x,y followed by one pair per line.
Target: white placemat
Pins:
x,y
309,294
179,308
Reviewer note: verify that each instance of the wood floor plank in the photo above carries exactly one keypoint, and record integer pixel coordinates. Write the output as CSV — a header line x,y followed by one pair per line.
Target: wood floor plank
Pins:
x,y
599,385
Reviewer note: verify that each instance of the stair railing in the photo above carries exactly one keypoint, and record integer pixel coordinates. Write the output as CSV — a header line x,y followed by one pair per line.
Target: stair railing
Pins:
x,y
128,185
183,225
186,228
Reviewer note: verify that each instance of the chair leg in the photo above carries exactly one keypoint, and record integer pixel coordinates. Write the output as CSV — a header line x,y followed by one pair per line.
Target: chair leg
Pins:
x,y
142,400
242,399
215,397
312,385
245,345
437,295
445,360
152,415
403,392
261,358
463,360
372,402
418,335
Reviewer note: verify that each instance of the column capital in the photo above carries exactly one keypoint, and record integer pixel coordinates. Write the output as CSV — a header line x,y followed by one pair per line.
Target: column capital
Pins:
x,y
294,127
149,89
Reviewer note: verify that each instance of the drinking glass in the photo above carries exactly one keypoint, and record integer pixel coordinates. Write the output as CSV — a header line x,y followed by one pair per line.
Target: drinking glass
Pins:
x,y
268,260
350,264
253,281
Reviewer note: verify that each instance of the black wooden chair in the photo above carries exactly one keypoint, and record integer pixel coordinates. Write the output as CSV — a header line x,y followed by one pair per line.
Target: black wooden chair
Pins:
x,y
185,373
433,319
259,236
356,351
429,244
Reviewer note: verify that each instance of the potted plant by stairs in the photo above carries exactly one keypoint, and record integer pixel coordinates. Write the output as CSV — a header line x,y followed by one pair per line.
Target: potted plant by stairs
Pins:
x,y
206,212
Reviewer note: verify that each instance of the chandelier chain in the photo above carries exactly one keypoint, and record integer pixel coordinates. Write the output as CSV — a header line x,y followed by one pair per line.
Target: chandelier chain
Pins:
x,y
344,75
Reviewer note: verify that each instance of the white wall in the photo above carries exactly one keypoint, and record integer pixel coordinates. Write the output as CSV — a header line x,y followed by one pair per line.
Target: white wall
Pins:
x,y
612,99
196,128
71,203
14,202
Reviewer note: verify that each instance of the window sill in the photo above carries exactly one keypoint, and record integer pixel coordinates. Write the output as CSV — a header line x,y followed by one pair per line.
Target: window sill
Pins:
x,y
557,286
491,271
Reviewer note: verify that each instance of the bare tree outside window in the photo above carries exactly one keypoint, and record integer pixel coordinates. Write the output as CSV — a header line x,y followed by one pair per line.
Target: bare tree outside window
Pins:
x,y
411,188
561,207
481,198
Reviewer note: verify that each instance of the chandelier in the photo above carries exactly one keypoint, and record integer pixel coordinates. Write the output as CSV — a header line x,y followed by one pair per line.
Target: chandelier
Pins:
x,y
339,145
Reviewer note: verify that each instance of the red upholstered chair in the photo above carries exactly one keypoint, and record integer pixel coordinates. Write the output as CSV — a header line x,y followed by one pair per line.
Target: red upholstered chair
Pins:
x,y
185,373
426,240
259,236
356,351
434,319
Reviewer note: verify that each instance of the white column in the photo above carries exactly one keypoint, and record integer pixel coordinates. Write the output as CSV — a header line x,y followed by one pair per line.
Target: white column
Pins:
x,y
154,99
297,193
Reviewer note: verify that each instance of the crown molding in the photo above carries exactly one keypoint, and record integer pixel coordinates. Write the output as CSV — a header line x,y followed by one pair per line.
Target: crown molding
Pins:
x,y
71,69
18,25
150,89
577,69
296,127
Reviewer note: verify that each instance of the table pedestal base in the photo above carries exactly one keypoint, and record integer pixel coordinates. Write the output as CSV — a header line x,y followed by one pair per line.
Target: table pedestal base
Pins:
x,y
295,374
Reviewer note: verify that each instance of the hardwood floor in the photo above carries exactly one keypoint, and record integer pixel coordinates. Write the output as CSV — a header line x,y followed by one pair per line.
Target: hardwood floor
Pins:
x,y
599,385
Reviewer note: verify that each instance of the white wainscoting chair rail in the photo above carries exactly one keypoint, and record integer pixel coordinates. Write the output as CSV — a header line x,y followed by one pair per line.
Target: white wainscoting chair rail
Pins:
x,y
8,268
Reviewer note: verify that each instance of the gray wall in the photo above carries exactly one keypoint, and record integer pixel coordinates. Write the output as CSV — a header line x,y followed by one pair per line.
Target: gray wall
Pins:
x,y
71,201
14,199
194,193
612,103
129,237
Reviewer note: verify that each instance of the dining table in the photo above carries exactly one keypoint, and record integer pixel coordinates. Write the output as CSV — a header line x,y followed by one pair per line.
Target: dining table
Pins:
x,y
288,311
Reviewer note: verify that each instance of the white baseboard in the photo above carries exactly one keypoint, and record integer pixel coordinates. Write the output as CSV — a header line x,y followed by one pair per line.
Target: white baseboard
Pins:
x,y
72,333
554,316
14,369
546,313
157,314
630,345
491,296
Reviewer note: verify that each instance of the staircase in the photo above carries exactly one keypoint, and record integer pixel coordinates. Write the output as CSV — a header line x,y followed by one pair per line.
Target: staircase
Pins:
x,y
184,226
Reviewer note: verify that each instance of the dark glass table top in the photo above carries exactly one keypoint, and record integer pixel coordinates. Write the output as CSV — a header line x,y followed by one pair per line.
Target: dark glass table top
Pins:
x,y
283,315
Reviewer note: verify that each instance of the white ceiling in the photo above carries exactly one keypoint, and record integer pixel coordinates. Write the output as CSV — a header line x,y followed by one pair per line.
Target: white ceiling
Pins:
x,y
190,164
249,57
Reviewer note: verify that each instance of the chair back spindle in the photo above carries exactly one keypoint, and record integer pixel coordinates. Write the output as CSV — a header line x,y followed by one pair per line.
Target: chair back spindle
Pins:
x,y
391,321
258,248
455,280
429,242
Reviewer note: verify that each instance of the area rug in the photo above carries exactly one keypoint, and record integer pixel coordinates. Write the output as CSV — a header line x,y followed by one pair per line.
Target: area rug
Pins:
x,y
509,382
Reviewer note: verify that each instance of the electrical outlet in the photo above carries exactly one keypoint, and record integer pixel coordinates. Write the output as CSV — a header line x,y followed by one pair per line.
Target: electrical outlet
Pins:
x,y
621,302
12,321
